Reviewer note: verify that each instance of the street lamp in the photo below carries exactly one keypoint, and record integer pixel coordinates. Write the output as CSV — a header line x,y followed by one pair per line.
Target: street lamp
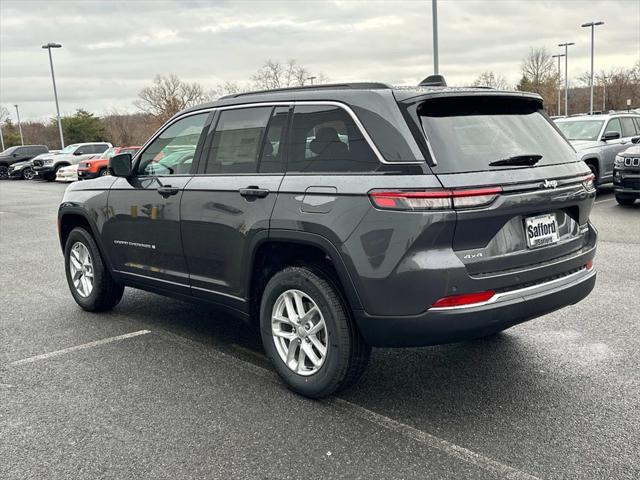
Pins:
x,y
311,78
592,25
566,75
49,46
559,56
19,124
434,14
1,137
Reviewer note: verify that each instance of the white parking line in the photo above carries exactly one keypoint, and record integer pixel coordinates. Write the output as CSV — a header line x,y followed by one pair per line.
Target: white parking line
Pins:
x,y
605,200
84,346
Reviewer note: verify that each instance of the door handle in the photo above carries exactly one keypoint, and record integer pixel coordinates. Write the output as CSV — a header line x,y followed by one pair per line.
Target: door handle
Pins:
x,y
254,191
167,190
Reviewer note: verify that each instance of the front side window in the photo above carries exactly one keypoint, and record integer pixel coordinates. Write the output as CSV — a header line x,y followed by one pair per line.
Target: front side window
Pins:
x,y
172,152
237,140
324,138
614,126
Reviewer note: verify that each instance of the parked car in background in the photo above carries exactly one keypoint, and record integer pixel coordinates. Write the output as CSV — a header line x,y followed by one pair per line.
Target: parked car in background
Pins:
x,y
341,217
98,166
67,174
47,167
18,154
21,170
626,175
599,138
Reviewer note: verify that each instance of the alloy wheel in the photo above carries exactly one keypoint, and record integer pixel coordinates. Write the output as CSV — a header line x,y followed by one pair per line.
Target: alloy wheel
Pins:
x,y
28,174
81,268
299,332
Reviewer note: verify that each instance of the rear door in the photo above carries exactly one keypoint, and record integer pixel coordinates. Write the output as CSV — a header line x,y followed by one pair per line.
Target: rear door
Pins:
x,y
227,206
506,142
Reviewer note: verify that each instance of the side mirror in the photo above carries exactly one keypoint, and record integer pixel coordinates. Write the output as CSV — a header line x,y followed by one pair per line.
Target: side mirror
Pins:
x,y
120,165
610,136
635,140
15,155
78,152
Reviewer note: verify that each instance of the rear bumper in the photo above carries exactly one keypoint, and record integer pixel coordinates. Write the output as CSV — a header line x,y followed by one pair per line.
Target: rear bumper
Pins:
x,y
437,326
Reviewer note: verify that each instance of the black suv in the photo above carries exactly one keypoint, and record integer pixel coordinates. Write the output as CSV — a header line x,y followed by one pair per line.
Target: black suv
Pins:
x,y
626,175
342,217
18,154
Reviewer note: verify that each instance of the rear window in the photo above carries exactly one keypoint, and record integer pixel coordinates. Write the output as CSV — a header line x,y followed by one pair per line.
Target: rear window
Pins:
x,y
466,134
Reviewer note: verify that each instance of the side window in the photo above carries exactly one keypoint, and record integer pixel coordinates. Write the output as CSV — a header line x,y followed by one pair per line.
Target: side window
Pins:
x,y
272,154
613,126
637,120
237,139
628,127
324,138
81,150
172,152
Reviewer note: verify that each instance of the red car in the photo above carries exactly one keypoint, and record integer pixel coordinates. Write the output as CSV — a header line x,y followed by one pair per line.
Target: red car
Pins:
x,y
97,167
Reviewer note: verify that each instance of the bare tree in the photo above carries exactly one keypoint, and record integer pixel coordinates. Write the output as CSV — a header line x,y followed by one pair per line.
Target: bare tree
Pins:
x,y
4,113
539,76
275,74
491,79
169,95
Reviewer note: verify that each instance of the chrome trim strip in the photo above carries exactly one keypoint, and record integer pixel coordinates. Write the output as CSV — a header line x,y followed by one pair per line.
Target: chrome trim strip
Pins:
x,y
516,293
180,284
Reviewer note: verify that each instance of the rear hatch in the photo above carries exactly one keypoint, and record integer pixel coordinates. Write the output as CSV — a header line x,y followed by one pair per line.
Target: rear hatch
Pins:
x,y
539,209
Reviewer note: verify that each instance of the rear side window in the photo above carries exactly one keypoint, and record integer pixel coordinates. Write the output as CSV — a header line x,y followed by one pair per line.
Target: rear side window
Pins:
x,y
324,138
466,134
237,140
628,127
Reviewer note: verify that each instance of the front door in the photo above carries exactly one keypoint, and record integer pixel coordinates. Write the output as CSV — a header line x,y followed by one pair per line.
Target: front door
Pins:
x,y
226,208
142,232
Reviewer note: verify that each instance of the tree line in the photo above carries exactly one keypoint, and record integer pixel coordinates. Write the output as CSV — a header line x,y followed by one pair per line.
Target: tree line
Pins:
x,y
167,95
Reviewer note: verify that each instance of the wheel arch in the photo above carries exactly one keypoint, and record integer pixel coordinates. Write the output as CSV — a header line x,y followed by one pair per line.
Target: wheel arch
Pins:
x,y
288,247
72,217
595,161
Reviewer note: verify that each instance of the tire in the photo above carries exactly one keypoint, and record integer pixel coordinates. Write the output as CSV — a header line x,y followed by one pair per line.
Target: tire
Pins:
x,y
103,172
594,170
625,200
52,177
346,352
28,173
4,172
104,293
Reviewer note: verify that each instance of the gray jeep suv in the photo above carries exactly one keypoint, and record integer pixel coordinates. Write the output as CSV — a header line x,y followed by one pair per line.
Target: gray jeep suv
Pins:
x,y
342,217
599,138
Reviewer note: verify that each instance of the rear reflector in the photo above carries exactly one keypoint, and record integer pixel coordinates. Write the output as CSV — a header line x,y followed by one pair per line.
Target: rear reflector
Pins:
x,y
434,199
467,299
589,265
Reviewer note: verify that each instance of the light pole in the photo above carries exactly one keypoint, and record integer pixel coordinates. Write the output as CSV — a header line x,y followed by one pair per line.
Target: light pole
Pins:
x,y
19,124
566,75
592,25
1,137
49,46
559,56
434,14
311,78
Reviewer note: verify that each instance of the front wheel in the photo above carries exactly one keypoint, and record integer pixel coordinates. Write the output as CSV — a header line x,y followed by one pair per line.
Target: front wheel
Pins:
x,y
104,172
625,199
28,174
4,172
308,334
89,280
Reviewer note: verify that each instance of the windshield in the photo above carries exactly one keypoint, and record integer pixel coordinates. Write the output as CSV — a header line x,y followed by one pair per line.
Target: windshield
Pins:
x,y
69,148
9,151
468,134
109,153
580,129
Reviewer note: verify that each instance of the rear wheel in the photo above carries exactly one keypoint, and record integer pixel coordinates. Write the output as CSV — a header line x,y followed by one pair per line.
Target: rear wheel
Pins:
x,y
4,172
89,280
625,199
28,173
308,334
594,170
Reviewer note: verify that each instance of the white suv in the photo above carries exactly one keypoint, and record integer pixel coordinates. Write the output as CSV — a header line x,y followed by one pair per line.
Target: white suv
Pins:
x,y
47,167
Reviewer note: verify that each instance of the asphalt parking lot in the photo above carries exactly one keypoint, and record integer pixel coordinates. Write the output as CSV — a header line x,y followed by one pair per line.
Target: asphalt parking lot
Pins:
x,y
159,388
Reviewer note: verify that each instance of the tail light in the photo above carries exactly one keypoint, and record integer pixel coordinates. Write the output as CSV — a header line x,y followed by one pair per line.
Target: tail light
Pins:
x,y
434,199
465,300
589,265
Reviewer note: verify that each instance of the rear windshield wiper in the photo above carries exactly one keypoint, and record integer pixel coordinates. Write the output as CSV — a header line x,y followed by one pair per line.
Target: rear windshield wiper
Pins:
x,y
525,160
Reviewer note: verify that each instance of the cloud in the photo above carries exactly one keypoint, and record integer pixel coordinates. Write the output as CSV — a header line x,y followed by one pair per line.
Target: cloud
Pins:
x,y
112,49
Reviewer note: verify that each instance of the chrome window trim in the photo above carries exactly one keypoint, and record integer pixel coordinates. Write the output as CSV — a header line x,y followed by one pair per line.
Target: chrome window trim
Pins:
x,y
291,103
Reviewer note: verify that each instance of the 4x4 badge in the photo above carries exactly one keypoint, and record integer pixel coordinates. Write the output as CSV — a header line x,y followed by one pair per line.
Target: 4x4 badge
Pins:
x,y
550,184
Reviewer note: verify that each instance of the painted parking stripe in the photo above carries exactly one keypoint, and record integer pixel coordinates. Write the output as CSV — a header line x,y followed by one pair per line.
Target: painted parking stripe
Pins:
x,y
605,200
84,346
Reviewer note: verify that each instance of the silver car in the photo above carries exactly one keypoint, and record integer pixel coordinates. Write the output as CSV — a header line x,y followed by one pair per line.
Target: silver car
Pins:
x,y
599,138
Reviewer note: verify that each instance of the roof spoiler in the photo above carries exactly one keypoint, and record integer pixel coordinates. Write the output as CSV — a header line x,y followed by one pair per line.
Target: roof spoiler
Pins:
x,y
433,81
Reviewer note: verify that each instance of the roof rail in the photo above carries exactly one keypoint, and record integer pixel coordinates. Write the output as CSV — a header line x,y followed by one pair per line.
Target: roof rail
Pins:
x,y
327,86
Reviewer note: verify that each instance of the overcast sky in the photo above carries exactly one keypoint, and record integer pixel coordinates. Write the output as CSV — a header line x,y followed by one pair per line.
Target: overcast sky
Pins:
x,y
112,49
